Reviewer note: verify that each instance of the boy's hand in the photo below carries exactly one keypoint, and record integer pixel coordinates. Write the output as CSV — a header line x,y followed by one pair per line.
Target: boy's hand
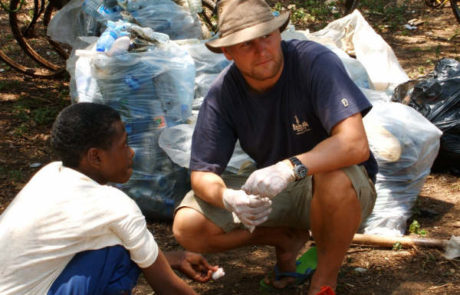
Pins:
x,y
193,265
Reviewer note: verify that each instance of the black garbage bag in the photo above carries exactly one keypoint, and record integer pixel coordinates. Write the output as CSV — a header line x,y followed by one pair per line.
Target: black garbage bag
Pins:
x,y
437,97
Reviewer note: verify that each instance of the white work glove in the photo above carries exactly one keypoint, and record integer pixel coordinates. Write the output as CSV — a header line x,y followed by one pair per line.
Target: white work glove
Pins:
x,y
251,210
269,181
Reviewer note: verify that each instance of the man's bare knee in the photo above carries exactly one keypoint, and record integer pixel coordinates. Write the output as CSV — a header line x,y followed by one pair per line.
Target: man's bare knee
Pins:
x,y
186,225
334,188
192,229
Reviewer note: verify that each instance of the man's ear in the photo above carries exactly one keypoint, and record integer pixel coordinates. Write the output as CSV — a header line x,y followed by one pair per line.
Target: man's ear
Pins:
x,y
93,157
226,52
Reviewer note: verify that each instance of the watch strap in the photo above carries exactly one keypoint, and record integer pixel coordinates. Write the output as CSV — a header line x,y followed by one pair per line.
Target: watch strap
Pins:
x,y
295,161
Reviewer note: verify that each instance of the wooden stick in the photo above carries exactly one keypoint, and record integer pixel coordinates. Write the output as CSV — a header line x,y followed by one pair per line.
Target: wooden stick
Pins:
x,y
384,241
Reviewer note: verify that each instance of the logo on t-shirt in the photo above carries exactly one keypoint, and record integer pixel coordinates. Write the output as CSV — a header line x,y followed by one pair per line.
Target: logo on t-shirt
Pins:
x,y
300,128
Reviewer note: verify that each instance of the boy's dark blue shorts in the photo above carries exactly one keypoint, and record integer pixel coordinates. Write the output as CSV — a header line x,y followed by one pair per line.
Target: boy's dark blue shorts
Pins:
x,y
105,271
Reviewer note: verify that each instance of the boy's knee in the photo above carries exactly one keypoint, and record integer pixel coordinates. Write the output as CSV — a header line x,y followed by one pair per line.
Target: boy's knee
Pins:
x,y
109,270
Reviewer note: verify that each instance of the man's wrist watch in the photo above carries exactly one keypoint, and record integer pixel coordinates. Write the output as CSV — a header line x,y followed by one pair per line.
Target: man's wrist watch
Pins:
x,y
300,171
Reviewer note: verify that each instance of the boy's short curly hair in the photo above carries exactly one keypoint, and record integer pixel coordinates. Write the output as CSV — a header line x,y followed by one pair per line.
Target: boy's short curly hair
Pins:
x,y
80,127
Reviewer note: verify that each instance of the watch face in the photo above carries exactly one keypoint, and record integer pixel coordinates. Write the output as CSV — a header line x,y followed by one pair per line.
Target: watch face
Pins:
x,y
300,171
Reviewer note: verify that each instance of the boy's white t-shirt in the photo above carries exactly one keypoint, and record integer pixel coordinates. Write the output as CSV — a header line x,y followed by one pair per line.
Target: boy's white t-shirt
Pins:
x,y
59,213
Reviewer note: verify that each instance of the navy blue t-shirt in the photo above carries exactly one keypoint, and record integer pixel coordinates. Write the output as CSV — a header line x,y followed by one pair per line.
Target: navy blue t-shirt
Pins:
x,y
313,94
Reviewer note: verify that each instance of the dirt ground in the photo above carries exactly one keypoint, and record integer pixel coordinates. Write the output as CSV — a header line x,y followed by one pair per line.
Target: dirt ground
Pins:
x,y
28,106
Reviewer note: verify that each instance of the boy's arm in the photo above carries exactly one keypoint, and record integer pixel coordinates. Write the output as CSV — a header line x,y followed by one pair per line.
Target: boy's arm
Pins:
x,y
193,265
163,279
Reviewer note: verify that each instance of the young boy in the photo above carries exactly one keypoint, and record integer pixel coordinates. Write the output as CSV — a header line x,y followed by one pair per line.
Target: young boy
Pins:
x,y
66,232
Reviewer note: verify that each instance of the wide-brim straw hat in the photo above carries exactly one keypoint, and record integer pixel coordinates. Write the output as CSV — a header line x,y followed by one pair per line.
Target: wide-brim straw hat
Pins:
x,y
243,20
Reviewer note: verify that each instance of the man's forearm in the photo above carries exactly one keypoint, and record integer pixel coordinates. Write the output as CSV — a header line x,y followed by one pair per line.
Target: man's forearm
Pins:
x,y
209,187
347,146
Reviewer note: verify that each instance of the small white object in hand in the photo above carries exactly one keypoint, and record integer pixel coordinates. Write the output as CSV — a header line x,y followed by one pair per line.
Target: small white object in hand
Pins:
x,y
218,273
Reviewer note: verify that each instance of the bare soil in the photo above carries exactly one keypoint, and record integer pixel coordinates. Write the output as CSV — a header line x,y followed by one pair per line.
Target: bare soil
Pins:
x,y
28,106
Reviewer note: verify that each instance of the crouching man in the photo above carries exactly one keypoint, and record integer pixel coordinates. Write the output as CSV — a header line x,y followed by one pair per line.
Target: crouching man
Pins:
x,y
298,115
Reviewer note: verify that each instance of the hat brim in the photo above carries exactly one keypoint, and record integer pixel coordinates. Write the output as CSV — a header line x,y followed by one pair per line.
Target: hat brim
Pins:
x,y
250,33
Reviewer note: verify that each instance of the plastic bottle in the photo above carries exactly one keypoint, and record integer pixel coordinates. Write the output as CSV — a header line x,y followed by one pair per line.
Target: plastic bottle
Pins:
x,y
132,82
195,6
108,37
135,5
101,10
90,7
105,41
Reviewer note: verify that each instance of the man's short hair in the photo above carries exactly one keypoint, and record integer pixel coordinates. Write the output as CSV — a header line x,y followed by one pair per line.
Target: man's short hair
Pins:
x,y
80,127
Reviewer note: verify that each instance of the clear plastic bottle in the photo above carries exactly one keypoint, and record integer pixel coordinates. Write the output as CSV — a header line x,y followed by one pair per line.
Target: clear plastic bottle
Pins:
x,y
108,37
135,5
101,10
90,7
132,82
105,41
195,6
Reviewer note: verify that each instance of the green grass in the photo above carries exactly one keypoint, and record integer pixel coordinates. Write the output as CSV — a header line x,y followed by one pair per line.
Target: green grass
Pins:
x,y
9,37
21,130
415,228
44,115
438,51
12,174
7,85
15,175
31,109
397,246
422,70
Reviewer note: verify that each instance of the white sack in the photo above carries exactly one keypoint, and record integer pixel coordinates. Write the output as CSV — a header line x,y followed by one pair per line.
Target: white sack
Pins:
x,y
405,145
355,36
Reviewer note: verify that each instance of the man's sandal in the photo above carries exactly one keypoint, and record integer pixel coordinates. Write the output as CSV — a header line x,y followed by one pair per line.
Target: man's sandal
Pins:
x,y
305,267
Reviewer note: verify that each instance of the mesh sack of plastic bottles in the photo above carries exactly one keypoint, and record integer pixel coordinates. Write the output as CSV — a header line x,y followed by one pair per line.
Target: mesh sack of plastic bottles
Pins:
x,y
208,65
152,90
162,16
167,17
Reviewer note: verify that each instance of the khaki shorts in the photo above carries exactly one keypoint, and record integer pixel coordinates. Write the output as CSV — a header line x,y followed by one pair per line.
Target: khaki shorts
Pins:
x,y
291,207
